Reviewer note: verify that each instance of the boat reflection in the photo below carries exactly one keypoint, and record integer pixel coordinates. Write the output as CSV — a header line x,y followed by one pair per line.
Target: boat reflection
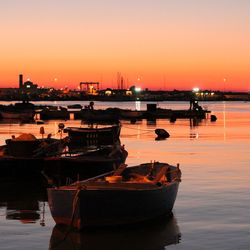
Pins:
x,y
155,235
24,202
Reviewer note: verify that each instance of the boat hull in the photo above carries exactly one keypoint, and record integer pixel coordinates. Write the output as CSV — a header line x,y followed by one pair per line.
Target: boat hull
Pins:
x,y
85,137
64,169
23,115
95,208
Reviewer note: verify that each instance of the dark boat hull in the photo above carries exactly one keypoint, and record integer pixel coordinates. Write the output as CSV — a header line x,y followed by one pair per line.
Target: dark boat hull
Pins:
x,y
85,137
95,208
80,168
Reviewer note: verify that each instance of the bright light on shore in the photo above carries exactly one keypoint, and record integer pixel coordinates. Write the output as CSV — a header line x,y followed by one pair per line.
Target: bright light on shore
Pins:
x,y
196,89
137,89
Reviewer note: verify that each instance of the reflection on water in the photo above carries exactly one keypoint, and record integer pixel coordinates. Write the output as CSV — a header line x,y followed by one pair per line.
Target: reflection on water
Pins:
x,y
156,235
23,201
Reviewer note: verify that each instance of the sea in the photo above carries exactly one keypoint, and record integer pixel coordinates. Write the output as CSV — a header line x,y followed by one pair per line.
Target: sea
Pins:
x,y
212,209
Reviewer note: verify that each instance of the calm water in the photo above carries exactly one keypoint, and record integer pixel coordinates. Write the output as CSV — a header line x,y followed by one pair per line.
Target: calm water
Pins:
x,y
212,210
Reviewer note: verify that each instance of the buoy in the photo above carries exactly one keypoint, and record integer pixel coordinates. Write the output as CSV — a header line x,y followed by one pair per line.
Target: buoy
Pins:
x,y
213,118
42,131
61,125
172,119
161,134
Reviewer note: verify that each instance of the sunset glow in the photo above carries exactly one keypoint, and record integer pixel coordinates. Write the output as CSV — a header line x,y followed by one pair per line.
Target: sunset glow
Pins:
x,y
163,44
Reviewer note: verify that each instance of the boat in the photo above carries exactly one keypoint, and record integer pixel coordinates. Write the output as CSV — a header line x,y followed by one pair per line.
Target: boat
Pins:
x,y
93,135
194,111
90,151
97,115
20,111
55,113
24,155
127,195
68,168
74,106
128,114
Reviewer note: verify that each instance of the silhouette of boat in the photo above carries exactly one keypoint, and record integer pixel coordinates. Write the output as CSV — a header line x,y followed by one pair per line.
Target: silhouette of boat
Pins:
x,y
94,135
55,113
20,111
97,115
128,114
24,156
125,196
69,168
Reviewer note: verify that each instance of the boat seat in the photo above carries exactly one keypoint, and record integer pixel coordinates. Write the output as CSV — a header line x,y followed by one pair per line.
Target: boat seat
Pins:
x,y
120,169
160,174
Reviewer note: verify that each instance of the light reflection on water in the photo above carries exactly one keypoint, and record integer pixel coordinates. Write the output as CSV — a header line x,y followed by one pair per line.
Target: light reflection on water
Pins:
x,y
213,203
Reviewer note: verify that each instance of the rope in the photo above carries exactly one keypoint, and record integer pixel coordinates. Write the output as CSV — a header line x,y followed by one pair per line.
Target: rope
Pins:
x,y
138,134
74,205
138,129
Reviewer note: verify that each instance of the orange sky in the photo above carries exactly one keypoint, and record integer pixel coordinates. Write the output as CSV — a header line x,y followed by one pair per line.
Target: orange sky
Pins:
x,y
167,44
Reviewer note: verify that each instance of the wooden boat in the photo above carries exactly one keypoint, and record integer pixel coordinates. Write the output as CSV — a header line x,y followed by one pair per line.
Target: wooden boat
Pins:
x,y
24,156
97,115
54,113
128,114
91,162
74,106
94,135
20,111
125,196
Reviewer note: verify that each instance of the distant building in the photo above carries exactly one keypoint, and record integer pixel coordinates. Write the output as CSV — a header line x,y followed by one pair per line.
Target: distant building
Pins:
x,y
90,88
20,81
28,86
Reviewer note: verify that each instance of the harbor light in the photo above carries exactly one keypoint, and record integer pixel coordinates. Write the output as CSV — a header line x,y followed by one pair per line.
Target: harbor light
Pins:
x,y
196,89
137,89
108,92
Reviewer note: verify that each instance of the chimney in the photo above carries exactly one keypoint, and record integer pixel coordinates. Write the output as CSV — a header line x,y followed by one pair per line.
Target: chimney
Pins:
x,y
20,81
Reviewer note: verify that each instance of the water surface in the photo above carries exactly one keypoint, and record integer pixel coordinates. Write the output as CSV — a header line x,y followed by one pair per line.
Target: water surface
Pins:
x,y
213,203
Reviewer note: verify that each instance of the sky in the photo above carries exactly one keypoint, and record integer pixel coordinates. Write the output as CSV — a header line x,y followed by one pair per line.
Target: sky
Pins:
x,y
155,44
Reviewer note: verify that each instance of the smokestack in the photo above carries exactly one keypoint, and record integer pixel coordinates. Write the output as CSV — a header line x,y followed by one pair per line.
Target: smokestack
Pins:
x,y
20,81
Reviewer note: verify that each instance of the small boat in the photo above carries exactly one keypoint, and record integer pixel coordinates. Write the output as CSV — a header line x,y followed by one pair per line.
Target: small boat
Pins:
x,y
19,111
24,155
97,115
124,196
69,168
93,135
56,113
128,114
74,106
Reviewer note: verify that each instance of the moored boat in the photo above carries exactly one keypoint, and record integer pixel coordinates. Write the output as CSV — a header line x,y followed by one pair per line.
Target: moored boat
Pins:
x,y
94,135
125,196
21,111
94,161
128,114
24,156
97,115
55,113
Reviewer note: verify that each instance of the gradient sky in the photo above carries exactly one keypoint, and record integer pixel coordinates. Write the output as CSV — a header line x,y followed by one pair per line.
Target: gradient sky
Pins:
x,y
158,44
